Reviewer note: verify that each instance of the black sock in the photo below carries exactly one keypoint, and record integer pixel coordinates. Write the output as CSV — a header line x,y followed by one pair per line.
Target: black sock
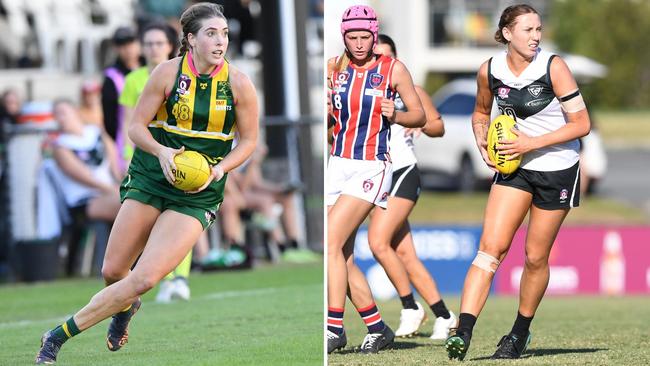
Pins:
x,y
521,326
466,323
440,310
408,302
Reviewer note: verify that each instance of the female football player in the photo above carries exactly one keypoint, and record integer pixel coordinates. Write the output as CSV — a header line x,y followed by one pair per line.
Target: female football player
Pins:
x,y
363,86
193,101
389,234
537,89
158,45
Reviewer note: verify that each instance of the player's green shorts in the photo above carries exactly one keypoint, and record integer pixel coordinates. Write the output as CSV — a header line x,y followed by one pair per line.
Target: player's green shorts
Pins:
x,y
205,216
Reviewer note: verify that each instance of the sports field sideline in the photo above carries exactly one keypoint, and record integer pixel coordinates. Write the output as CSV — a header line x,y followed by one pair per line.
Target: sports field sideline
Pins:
x,y
269,316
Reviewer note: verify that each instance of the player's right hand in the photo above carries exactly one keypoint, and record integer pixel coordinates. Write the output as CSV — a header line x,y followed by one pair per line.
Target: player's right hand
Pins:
x,y
166,159
482,147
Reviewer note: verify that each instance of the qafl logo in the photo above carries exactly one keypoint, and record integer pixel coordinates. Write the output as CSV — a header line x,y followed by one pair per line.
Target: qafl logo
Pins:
x,y
367,185
503,92
342,77
564,194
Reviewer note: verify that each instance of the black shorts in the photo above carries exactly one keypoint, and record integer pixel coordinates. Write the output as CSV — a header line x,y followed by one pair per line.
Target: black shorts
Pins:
x,y
406,183
551,190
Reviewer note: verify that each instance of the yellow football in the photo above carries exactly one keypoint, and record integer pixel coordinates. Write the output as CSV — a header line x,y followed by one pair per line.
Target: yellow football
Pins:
x,y
192,170
500,129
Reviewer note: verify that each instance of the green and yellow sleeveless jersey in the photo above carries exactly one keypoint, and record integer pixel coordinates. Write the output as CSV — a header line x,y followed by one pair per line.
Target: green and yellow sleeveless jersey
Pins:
x,y
199,113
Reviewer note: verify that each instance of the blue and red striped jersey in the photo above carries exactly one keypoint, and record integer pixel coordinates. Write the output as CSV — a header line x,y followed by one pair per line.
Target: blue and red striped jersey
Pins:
x,y
361,132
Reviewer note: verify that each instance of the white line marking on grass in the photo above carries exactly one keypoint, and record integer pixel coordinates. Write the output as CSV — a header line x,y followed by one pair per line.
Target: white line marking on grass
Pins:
x,y
211,296
243,293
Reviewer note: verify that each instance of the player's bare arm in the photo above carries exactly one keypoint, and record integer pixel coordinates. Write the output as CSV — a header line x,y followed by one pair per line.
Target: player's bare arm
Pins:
x,y
481,115
403,84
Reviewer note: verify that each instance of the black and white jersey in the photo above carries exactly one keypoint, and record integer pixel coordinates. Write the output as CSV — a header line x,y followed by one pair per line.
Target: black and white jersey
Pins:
x,y
530,100
401,146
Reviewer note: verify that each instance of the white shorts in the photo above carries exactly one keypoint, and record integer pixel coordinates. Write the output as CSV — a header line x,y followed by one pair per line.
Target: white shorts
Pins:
x,y
369,180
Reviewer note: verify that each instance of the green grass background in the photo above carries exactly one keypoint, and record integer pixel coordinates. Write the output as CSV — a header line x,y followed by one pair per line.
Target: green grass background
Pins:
x,y
567,330
269,316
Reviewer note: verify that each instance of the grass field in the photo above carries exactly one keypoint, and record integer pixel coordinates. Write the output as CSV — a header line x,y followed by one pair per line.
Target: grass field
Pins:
x,y
624,129
455,209
566,331
269,316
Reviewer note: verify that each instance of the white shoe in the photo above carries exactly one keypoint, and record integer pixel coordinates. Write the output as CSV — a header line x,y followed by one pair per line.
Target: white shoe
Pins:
x,y
165,291
410,321
442,326
180,290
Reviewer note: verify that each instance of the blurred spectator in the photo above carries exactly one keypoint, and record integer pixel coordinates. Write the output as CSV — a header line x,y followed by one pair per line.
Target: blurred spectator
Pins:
x,y
10,106
78,186
85,155
159,41
269,203
127,47
90,108
229,212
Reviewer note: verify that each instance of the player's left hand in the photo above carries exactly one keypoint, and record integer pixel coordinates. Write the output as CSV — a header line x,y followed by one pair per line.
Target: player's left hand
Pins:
x,y
388,109
216,174
415,132
517,147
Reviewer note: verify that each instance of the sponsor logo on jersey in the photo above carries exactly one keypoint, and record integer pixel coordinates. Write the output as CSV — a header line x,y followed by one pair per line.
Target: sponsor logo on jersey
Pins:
x,y
367,185
537,102
203,85
564,194
376,79
384,197
222,105
184,83
224,91
503,92
374,92
535,90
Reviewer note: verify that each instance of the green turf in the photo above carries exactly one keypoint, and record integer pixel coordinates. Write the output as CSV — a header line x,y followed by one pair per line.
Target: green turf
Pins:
x,y
566,331
269,316
455,208
624,129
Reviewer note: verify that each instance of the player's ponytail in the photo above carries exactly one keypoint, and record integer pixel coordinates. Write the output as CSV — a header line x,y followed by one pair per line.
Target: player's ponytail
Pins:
x,y
185,46
343,61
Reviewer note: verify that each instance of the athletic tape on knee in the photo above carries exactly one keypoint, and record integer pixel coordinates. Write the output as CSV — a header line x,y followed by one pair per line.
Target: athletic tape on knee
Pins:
x,y
486,262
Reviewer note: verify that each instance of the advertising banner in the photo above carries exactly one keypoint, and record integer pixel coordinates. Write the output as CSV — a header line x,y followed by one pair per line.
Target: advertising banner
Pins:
x,y
584,260
446,252
587,260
